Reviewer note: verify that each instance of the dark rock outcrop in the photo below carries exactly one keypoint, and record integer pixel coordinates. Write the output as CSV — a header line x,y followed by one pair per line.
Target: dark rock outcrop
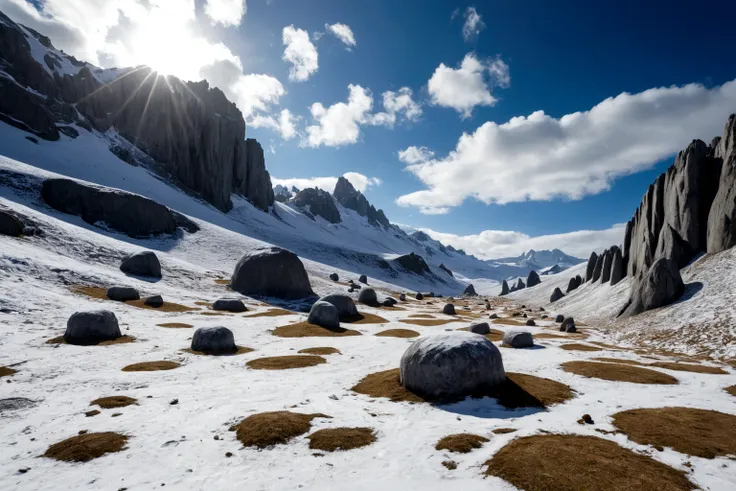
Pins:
x,y
91,327
504,288
446,270
568,325
470,291
216,339
363,279
319,203
573,284
660,286
721,228
607,262
481,328
598,268
532,279
350,198
142,264
556,295
520,284
10,225
591,266
229,304
448,309
122,293
271,272
412,262
618,268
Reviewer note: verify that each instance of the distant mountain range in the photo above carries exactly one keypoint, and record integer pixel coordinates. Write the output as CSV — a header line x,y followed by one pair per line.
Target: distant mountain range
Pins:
x,y
541,261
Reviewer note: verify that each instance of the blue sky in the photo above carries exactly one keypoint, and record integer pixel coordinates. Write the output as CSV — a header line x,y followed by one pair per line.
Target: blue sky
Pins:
x,y
554,176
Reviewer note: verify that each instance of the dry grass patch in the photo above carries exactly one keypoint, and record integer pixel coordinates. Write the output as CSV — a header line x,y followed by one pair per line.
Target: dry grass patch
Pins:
x,y
120,340
304,329
620,360
579,347
364,318
152,366
461,442
503,431
113,402
202,303
285,362
264,430
398,333
6,372
450,465
731,390
270,313
385,384
618,373
428,322
175,325
509,321
422,316
581,463
222,281
333,439
213,313
607,346
239,350
698,432
100,293
83,448
320,350
689,367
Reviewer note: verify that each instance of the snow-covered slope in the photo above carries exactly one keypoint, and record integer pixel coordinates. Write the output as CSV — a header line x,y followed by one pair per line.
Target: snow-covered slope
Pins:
x,y
541,261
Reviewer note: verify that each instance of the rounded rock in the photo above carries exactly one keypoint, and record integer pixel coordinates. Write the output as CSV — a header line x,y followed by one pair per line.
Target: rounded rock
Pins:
x,y
142,264
568,325
402,297
493,316
448,309
324,314
343,303
480,328
271,272
419,296
10,225
229,305
91,327
559,318
154,301
334,277
518,339
213,340
531,322
368,296
122,293
363,279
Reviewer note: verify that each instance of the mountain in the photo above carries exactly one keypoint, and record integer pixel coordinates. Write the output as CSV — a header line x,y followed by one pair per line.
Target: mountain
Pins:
x,y
541,260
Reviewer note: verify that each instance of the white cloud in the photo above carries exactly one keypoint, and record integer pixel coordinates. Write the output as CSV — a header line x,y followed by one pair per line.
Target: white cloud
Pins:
x,y
397,105
473,24
226,12
342,32
415,155
539,157
284,124
359,181
468,86
492,244
300,52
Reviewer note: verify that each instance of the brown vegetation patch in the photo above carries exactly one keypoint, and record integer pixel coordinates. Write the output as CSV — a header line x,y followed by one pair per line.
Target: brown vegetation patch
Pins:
x,y
428,322
320,350
100,293
364,318
202,303
94,412
304,329
450,464
731,390
422,316
698,432
239,350
503,431
618,373
83,448
120,340
285,362
222,281
508,321
175,325
620,360
579,347
581,463
264,430
689,367
523,390
6,372
607,346
461,442
113,402
398,333
385,384
151,366
333,439
270,313
213,313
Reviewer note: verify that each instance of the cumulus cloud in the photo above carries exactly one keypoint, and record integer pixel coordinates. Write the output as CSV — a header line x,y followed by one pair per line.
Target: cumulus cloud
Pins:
x,y
359,182
300,52
284,124
492,244
538,157
415,155
397,105
468,86
226,12
343,33
473,24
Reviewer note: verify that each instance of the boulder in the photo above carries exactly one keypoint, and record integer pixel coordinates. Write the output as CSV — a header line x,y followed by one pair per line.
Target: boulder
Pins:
x,y
10,225
419,296
155,301
660,286
402,297
368,296
572,284
122,293
598,268
531,322
448,309
556,295
91,327
504,288
142,264
324,314
213,340
618,269
470,291
229,304
480,328
493,316
451,366
271,272
518,339
721,227
591,266
559,318
363,279
520,284
532,279
568,325
391,301
343,303
334,277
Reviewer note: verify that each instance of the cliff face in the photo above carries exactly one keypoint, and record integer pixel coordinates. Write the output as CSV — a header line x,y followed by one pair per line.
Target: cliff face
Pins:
x,y
195,135
349,197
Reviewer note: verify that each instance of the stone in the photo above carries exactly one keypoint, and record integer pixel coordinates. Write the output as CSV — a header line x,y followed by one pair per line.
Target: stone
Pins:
x,y
451,366
412,263
598,269
504,288
480,328
518,339
559,318
324,314
142,264
568,325
368,296
334,277
343,303
531,322
391,301
91,327
448,309
618,269
591,266
10,225
660,286
470,291
607,262
556,295
318,203
446,269
363,279
155,301
402,297
215,339
721,227
532,279
271,272
493,316
419,296
229,304
572,284
122,293
520,284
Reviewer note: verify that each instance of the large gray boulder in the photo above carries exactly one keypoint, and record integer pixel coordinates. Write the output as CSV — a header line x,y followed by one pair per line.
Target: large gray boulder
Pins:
x,y
91,327
568,325
556,295
721,228
334,277
318,202
504,288
10,225
618,268
480,328
368,296
122,293
271,272
229,304
324,314
448,309
450,366
591,266
216,339
142,264
363,279
343,303
518,339
532,279
154,301
660,286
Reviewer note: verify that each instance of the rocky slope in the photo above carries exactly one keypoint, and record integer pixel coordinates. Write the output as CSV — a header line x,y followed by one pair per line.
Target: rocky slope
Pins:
x,y
186,131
